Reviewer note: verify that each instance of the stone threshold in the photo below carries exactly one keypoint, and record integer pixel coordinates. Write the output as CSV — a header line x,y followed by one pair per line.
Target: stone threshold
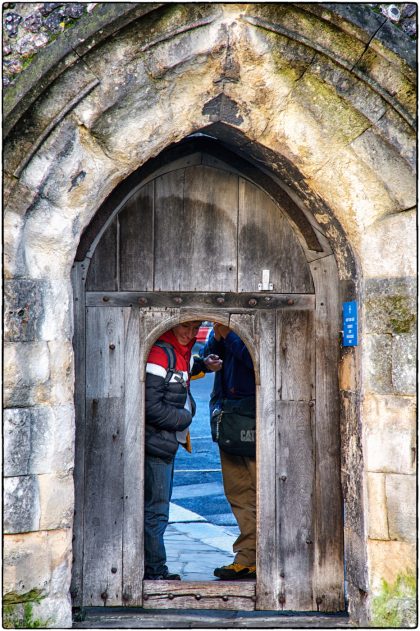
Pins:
x,y
137,618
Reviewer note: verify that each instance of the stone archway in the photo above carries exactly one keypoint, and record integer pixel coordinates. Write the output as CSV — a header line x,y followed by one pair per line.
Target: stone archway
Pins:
x,y
322,101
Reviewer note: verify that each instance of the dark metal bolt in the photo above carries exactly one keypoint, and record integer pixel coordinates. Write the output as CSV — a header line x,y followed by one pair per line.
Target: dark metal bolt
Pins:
x,y
104,595
178,300
114,570
252,302
282,598
283,478
105,298
145,597
112,347
142,301
311,404
171,596
225,598
282,574
220,300
290,301
198,596
308,541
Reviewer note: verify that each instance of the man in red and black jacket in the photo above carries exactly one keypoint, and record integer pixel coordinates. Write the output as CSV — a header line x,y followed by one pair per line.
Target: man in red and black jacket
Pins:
x,y
169,411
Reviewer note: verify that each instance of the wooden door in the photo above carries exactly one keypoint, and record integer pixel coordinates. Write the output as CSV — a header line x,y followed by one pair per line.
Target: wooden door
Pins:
x,y
191,242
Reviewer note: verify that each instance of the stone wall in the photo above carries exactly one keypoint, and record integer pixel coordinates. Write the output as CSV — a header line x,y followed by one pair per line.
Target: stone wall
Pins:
x,y
324,97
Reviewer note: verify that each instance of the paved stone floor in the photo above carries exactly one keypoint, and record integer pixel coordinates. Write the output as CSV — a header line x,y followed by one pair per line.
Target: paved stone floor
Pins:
x,y
194,547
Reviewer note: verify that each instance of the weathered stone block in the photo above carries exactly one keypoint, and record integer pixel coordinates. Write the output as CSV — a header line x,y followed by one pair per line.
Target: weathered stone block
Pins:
x,y
74,176
390,305
378,525
56,501
38,440
351,89
299,124
23,310
61,371
56,611
339,43
390,364
378,364
21,504
49,241
26,374
404,365
49,109
389,247
344,181
58,320
390,76
398,177
390,434
399,133
14,264
388,559
401,502
38,560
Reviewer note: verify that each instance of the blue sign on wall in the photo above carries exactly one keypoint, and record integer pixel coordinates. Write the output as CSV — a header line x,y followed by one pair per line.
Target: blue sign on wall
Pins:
x,y
350,323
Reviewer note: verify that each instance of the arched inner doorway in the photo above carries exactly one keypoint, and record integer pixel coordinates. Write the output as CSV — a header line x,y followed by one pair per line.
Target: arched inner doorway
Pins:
x,y
196,236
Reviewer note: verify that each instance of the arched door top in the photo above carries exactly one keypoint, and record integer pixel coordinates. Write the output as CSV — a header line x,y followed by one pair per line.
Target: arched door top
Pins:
x,y
196,150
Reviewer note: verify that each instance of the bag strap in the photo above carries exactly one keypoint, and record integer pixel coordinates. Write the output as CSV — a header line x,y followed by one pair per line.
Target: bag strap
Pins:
x,y
170,354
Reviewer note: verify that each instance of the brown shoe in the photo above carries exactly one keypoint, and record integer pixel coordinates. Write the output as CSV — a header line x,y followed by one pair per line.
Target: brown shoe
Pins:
x,y
235,571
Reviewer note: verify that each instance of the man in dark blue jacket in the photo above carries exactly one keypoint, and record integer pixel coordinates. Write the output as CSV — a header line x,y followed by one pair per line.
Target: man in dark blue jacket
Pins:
x,y
236,381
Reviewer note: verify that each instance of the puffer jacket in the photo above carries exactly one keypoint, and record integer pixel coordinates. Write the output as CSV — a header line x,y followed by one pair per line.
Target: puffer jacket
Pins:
x,y
166,412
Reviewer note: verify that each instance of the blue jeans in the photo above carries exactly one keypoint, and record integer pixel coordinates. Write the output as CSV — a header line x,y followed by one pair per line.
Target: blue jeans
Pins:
x,y
158,480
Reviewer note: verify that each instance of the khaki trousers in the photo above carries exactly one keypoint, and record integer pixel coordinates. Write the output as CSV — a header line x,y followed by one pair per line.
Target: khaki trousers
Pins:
x,y
239,481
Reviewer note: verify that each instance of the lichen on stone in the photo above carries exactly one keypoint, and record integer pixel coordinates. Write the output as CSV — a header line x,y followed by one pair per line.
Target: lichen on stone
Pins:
x,y
390,314
395,605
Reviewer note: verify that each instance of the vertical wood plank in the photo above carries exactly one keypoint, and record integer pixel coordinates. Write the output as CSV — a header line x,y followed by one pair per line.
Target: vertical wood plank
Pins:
x,y
268,571
267,241
103,515
195,230
136,241
133,444
102,274
328,566
171,243
105,359
296,356
104,452
211,209
295,472
78,283
295,379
